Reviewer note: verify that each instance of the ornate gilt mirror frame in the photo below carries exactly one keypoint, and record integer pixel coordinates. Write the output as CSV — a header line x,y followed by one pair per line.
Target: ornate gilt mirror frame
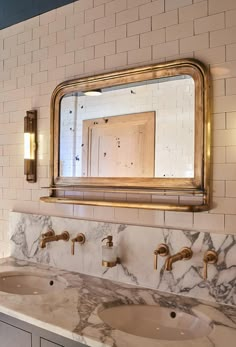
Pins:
x,y
198,185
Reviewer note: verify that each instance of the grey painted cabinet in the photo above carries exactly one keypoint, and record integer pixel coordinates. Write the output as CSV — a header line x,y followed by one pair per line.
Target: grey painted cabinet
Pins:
x,y
14,331
46,343
10,334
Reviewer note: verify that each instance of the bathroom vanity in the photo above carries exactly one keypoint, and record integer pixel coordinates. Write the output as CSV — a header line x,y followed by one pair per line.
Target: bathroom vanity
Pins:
x,y
72,316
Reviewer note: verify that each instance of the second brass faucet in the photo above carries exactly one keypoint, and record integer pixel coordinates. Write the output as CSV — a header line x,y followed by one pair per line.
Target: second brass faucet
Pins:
x,y
185,253
50,237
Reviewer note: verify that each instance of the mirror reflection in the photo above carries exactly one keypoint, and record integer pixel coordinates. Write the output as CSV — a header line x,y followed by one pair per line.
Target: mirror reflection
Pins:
x,y
143,129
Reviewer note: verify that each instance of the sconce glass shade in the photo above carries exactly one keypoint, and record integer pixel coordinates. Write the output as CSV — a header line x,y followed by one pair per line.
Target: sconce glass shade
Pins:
x,y
30,147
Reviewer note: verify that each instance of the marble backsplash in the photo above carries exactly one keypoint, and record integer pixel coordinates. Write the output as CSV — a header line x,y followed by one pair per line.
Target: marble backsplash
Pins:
x,y
136,245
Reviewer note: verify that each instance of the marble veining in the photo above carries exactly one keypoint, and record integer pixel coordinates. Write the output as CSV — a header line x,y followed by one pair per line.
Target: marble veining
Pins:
x,y
136,246
86,295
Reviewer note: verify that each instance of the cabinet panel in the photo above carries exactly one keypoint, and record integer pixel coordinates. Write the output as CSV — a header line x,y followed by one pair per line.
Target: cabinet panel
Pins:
x,y
10,334
46,343
16,333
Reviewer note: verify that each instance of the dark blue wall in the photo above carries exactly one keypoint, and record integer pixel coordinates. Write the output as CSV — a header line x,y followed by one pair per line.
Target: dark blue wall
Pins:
x,y
15,11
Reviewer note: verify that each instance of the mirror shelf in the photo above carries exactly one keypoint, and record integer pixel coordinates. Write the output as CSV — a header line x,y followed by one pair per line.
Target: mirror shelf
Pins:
x,y
158,113
128,204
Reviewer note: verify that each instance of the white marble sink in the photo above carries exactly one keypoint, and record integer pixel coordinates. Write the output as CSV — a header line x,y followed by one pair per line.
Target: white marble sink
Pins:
x,y
156,322
26,283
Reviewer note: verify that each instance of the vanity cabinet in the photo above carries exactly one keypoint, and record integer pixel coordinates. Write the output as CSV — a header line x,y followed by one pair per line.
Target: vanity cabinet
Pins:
x,y
46,343
14,332
9,334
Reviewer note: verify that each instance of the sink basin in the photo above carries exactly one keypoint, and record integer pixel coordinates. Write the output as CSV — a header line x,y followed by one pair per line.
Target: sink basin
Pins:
x,y
30,283
156,322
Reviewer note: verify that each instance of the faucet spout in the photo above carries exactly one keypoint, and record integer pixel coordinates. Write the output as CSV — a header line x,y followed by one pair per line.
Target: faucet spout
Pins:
x,y
185,253
63,236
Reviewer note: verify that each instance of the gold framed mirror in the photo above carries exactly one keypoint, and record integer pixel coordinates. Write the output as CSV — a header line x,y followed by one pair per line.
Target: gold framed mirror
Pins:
x,y
144,130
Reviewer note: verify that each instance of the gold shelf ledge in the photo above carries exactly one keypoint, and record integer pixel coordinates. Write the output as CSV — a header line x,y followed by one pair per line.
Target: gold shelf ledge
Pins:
x,y
156,191
128,204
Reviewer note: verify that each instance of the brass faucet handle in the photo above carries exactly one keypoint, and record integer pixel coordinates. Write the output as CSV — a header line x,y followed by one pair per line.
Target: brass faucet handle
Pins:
x,y
80,238
162,250
73,246
49,233
210,257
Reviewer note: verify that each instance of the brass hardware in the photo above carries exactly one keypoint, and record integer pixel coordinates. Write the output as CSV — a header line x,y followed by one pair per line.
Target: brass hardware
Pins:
x,y
50,232
30,146
210,257
126,204
80,238
111,263
162,250
157,190
199,183
186,253
63,236
109,242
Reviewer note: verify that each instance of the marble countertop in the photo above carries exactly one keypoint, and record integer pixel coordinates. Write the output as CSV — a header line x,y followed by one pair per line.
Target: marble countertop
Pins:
x,y
73,313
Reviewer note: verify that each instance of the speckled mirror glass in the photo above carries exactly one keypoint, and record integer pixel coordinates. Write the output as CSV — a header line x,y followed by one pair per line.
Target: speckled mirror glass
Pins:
x,y
143,129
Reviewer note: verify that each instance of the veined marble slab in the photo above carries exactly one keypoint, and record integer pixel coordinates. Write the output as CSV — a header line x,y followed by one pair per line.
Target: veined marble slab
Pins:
x,y
136,246
86,295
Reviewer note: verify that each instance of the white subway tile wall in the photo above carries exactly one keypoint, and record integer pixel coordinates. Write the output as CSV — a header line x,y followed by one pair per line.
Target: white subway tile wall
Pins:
x,y
94,36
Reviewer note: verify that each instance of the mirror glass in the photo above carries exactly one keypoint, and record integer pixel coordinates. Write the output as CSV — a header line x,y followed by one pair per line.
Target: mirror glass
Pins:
x,y
143,129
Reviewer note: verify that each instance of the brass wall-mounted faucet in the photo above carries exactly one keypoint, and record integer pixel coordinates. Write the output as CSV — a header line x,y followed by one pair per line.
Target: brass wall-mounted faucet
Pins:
x,y
210,257
80,238
50,237
162,250
50,232
186,253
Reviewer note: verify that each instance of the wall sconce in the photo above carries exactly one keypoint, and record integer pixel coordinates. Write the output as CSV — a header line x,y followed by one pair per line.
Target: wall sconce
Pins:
x,y
30,146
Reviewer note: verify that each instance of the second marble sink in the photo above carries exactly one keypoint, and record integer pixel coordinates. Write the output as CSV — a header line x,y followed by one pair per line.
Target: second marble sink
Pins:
x,y
156,322
24,283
